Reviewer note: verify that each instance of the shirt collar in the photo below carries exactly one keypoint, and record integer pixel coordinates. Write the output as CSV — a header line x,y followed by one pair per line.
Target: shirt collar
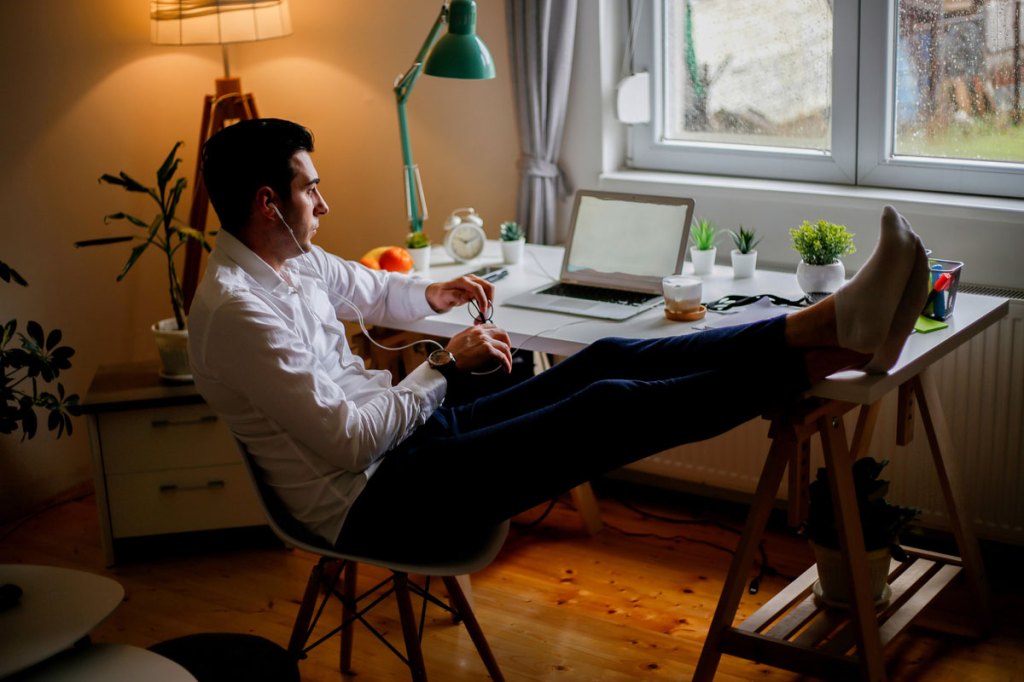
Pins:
x,y
232,248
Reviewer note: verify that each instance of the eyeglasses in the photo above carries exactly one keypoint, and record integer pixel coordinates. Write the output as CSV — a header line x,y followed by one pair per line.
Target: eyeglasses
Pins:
x,y
735,301
481,316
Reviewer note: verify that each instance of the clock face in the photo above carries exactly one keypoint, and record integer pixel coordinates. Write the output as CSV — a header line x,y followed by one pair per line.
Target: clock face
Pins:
x,y
465,241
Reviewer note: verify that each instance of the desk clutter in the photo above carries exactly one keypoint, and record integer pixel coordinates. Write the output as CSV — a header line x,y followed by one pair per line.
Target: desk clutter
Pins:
x,y
943,283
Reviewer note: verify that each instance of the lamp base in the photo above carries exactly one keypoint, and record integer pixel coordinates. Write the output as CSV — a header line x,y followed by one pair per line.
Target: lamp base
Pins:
x,y
229,85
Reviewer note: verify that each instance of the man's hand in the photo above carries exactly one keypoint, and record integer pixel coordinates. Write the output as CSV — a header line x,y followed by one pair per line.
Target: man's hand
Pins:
x,y
480,346
443,296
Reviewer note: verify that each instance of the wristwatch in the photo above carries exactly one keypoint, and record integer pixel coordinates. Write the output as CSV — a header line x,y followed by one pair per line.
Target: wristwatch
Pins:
x,y
443,361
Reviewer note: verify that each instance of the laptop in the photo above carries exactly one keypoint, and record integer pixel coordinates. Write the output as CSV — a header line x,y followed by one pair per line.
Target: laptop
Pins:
x,y
620,246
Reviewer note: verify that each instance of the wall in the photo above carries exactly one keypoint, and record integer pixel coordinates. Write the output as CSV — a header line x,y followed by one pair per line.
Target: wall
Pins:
x,y
86,94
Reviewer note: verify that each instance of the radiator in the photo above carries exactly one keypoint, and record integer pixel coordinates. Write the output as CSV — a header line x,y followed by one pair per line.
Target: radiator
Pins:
x,y
981,385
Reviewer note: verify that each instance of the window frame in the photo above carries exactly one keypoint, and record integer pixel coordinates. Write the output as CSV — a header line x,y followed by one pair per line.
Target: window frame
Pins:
x,y
863,91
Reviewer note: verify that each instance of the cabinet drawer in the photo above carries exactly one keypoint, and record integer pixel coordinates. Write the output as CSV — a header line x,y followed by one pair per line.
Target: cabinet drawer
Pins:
x,y
179,500
164,438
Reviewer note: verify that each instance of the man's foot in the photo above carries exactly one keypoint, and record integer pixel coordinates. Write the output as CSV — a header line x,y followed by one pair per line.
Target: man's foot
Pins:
x,y
867,304
914,297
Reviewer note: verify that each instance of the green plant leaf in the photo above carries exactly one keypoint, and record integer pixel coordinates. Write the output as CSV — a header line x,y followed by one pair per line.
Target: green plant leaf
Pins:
x,y
126,181
172,204
7,274
132,257
124,216
169,167
101,241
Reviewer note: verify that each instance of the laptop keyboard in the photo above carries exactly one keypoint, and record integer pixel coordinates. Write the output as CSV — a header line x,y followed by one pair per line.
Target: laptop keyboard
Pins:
x,y
634,298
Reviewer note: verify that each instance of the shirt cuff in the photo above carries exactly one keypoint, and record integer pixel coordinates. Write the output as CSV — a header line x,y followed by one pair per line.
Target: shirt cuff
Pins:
x,y
428,383
417,289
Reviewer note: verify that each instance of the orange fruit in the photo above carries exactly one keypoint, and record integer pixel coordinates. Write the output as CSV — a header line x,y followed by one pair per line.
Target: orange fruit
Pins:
x,y
370,263
396,259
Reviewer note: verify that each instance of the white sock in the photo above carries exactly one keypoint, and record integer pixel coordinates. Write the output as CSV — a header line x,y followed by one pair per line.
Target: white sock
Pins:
x,y
866,304
914,296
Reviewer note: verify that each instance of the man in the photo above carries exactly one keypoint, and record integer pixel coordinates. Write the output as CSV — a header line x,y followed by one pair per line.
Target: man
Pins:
x,y
378,468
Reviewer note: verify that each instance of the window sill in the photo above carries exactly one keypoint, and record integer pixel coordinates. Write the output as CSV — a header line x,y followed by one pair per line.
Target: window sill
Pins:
x,y
813,193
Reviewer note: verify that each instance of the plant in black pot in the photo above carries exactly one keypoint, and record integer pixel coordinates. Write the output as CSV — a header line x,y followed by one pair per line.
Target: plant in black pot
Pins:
x,y
881,522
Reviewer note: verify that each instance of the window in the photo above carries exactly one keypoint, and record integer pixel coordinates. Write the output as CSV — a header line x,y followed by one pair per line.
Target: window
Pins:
x,y
916,94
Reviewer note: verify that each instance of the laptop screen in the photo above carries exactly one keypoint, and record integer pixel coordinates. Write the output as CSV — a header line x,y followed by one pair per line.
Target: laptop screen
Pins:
x,y
626,240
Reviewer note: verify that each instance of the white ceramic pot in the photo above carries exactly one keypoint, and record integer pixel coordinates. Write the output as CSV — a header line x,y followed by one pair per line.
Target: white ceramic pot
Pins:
x,y
703,261
832,586
512,252
420,258
743,264
172,344
818,281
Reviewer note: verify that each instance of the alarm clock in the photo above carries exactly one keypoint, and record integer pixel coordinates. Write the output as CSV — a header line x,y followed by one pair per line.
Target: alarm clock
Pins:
x,y
464,236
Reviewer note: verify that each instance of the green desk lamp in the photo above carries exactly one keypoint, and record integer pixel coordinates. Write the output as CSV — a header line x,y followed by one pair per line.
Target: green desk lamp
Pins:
x,y
459,54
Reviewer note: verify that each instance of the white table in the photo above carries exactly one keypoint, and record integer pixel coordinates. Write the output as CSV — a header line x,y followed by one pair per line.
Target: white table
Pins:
x,y
59,607
106,663
778,633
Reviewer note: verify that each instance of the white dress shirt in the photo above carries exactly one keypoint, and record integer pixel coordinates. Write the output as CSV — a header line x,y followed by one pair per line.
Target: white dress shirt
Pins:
x,y
270,356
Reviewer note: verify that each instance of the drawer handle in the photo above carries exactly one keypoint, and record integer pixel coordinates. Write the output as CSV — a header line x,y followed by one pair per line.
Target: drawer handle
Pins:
x,y
205,419
173,487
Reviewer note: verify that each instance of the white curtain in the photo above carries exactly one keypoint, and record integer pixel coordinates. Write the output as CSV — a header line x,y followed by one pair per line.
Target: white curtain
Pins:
x,y
541,38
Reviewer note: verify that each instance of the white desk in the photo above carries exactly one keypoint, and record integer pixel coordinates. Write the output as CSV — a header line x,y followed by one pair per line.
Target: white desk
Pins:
x,y
792,630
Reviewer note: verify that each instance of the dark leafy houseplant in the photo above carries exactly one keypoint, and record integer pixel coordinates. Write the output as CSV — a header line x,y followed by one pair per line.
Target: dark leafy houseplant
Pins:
x,y
881,522
745,240
31,360
164,231
511,232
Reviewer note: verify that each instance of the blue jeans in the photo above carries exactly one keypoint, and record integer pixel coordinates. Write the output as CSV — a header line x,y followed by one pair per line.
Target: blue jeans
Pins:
x,y
615,402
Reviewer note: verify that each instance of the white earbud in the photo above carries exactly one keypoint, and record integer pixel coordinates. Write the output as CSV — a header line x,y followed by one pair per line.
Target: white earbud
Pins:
x,y
278,212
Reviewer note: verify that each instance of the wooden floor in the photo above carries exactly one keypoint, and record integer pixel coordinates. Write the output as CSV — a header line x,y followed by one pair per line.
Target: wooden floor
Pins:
x,y
557,604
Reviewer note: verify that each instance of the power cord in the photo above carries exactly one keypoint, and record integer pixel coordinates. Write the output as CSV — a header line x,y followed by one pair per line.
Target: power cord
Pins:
x,y
765,569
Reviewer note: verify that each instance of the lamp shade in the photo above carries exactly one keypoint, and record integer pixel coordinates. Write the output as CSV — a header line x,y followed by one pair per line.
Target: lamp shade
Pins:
x,y
460,53
213,22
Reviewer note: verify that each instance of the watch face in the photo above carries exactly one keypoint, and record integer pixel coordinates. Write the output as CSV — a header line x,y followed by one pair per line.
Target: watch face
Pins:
x,y
465,242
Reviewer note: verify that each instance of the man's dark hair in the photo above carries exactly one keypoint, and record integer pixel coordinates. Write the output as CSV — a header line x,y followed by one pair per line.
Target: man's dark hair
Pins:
x,y
243,157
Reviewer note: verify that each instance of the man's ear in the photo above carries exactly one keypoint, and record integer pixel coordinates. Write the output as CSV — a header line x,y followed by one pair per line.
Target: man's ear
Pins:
x,y
264,202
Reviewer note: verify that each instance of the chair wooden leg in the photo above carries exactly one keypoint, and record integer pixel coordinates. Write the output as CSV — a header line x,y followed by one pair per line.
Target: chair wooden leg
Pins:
x,y
412,640
456,594
348,614
301,628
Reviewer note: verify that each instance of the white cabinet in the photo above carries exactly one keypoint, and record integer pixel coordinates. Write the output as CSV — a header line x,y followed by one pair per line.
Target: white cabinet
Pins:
x,y
163,462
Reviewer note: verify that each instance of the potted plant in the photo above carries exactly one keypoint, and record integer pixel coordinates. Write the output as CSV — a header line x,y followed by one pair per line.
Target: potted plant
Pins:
x,y
744,256
166,233
881,523
821,245
703,235
418,245
31,360
513,242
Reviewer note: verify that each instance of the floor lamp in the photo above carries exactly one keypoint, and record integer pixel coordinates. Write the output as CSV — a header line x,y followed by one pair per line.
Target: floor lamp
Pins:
x,y
215,22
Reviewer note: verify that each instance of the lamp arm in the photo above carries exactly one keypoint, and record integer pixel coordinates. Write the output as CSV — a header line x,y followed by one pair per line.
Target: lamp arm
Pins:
x,y
414,197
